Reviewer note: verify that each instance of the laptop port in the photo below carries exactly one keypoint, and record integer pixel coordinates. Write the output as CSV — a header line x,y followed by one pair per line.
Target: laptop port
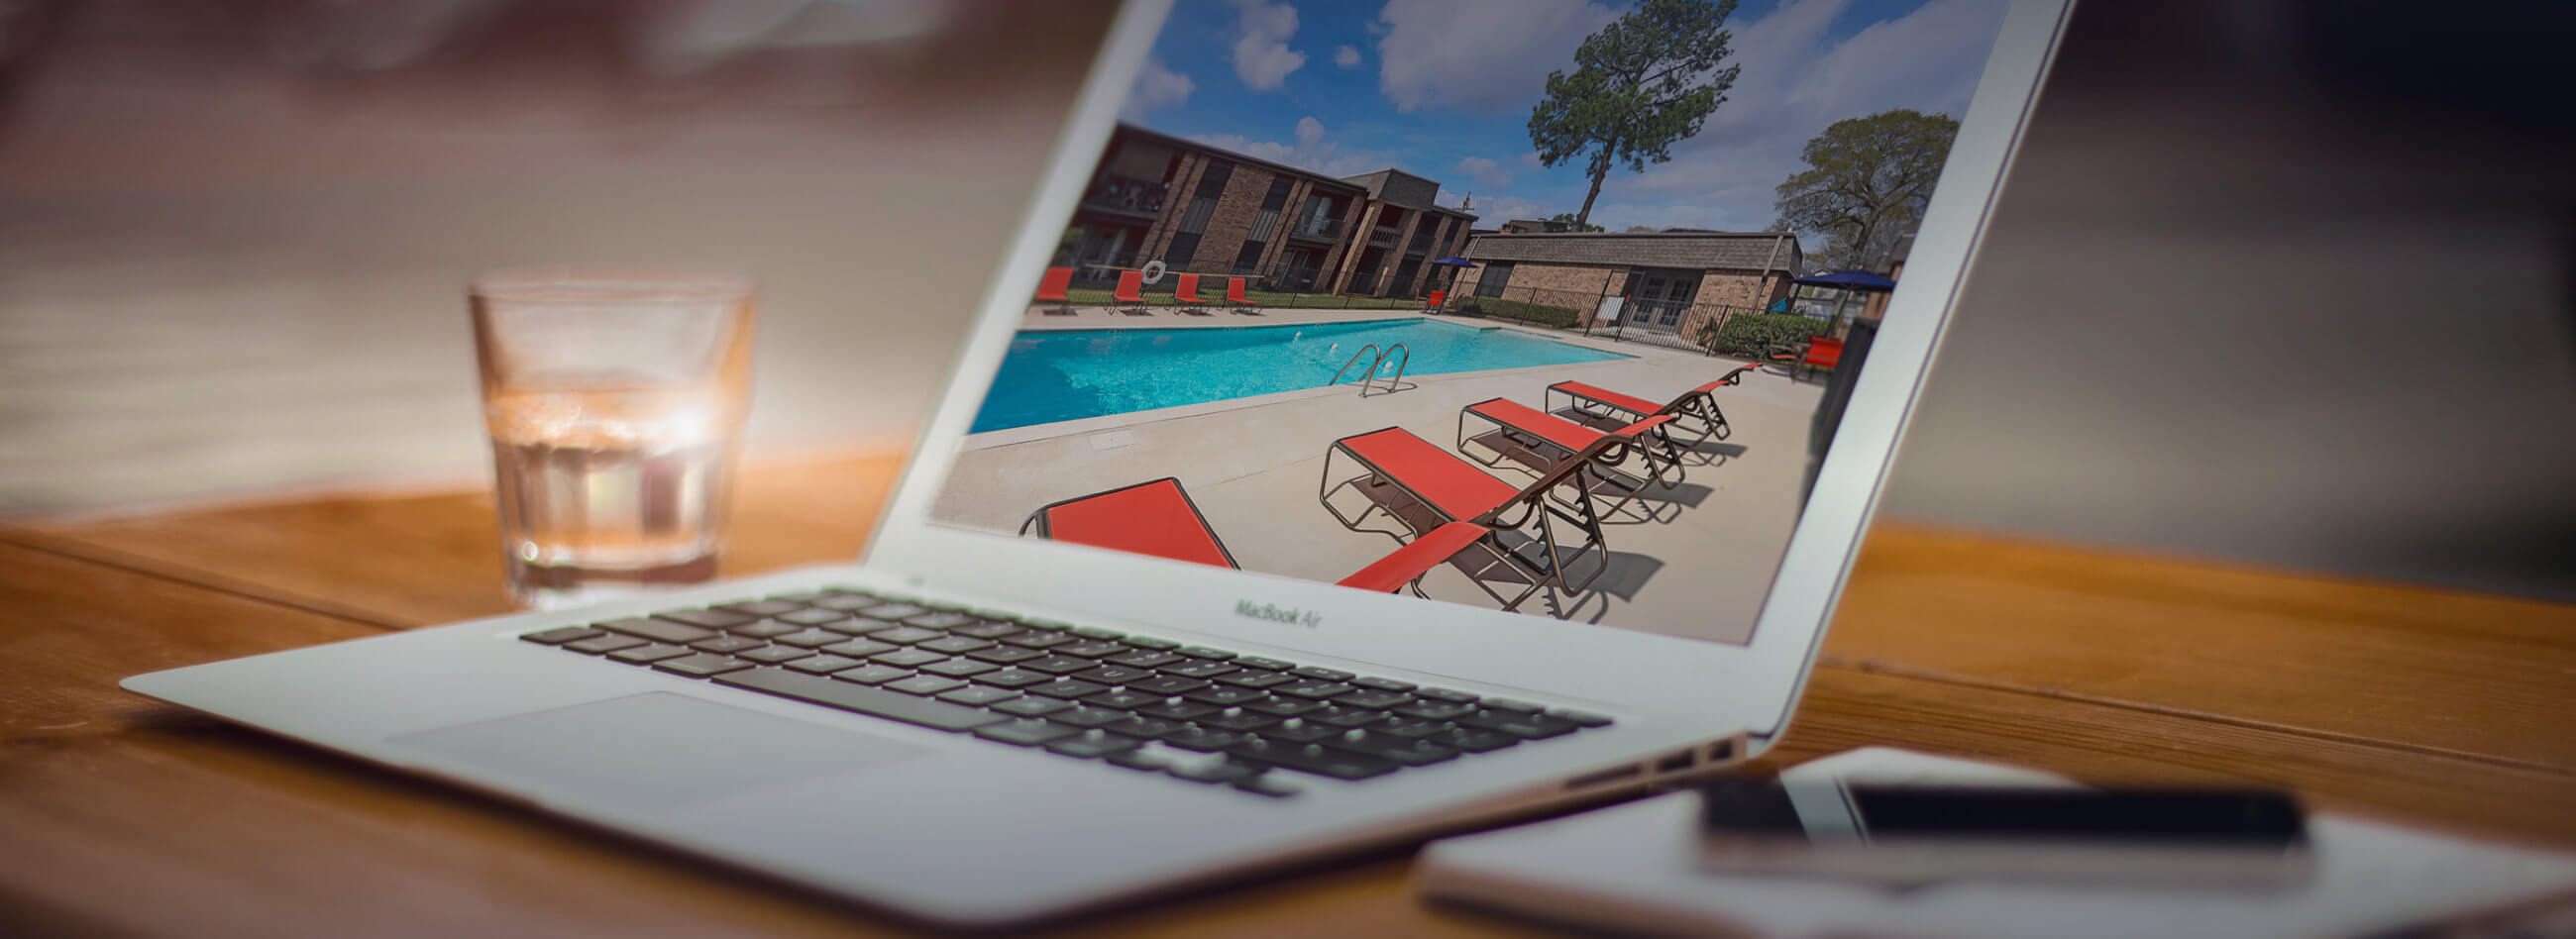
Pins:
x,y
1677,762
1607,776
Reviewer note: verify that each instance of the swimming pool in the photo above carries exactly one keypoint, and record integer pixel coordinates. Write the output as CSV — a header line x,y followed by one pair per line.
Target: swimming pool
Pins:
x,y
1075,373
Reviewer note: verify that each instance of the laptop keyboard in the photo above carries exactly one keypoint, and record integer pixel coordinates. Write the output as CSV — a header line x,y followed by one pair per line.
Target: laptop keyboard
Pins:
x,y
1190,712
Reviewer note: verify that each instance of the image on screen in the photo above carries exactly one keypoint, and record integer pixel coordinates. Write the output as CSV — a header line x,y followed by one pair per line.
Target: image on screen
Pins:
x,y
1528,306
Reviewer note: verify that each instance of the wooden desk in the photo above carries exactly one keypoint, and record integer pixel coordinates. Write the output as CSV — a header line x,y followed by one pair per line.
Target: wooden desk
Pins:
x,y
121,816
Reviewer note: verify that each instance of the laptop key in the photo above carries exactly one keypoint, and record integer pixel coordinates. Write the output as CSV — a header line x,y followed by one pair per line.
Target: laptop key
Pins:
x,y
1252,679
1506,704
1320,672
1199,668
1178,710
954,645
1408,751
1032,707
909,658
1005,655
872,674
810,638
895,610
764,629
977,695
985,629
1434,710
1093,744
1095,632
602,645
1384,684
1310,758
810,617
710,619
1372,698
1267,665
1312,688
1298,731
823,664
1093,648
678,634
1114,674
727,644
1013,678
1143,658
924,684
960,668
1214,772
1204,652
1086,716
1026,731
1123,699
801,597
648,653
906,635
562,634
1527,726
1445,694
1344,716
848,602
1202,739
1286,707
878,702
859,626
1038,639
1142,727
772,655
770,607
940,621
1473,740
1058,664
1166,684
1144,642
1409,727
702,664
858,648
1067,688
1224,696
1242,721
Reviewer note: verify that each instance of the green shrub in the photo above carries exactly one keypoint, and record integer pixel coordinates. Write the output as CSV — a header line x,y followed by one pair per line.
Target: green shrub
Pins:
x,y
1538,313
1749,335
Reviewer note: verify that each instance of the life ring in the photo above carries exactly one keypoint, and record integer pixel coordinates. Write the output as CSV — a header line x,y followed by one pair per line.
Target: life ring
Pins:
x,y
1154,271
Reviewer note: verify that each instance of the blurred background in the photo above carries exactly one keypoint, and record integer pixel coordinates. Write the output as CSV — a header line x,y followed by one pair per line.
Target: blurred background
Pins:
x,y
2289,282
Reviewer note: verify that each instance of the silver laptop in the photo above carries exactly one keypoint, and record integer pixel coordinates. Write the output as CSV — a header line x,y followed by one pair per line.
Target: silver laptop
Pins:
x,y
1162,601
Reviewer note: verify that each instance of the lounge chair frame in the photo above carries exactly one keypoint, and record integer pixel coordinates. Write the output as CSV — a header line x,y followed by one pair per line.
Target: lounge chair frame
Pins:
x,y
1612,486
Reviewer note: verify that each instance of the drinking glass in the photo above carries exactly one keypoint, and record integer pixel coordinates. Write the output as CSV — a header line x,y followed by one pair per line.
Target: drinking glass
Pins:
x,y
615,400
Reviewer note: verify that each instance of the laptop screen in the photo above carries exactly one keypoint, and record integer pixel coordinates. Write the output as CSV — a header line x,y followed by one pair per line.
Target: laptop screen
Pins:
x,y
1543,306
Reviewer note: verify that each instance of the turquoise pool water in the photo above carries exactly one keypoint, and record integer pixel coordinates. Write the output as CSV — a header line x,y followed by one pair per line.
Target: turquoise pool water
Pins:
x,y
1064,375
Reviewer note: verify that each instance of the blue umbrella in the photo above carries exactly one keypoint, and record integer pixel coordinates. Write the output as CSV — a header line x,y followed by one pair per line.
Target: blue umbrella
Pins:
x,y
1847,281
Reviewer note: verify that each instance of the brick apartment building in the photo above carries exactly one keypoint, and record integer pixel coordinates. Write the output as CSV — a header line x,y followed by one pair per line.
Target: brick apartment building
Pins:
x,y
1200,209
1673,281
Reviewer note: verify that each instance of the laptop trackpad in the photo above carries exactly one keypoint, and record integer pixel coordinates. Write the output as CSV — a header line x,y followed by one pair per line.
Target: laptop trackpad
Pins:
x,y
657,749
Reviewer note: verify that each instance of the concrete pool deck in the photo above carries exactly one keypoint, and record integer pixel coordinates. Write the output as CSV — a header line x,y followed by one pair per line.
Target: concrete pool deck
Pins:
x,y
1253,465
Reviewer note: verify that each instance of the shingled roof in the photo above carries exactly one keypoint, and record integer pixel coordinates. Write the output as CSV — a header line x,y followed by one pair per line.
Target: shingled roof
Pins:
x,y
1748,251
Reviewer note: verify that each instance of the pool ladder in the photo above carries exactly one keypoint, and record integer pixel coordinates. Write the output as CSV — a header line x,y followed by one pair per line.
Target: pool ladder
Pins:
x,y
1370,376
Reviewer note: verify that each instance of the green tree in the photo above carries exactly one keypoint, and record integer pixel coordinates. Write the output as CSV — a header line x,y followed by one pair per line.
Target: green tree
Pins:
x,y
1865,185
1645,81
1572,223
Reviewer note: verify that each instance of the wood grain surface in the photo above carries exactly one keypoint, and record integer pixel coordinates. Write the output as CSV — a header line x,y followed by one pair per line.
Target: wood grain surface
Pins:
x,y
124,817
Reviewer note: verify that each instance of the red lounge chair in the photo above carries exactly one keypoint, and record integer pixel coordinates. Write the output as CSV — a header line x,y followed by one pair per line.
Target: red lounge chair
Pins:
x,y
1186,291
1131,286
1539,441
1817,356
1435,300
1599,406
1234,295
1427,489
1158,518
1054,288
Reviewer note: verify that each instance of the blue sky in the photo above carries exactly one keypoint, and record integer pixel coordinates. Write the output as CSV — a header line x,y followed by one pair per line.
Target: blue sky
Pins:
x,y
1443,89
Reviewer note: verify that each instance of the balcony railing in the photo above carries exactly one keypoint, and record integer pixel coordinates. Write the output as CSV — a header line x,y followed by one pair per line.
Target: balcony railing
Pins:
x,y
1383,238
1125,194
1322,227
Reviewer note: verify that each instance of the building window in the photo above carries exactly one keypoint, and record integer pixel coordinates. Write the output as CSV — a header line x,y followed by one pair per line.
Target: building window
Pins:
x,y
1246,258
1184,247
1490,283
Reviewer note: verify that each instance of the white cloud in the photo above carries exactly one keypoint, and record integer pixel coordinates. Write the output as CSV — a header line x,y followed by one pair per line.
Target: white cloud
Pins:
x,y
1310,152
1486,56
1347,56
1795,82
1532,161
1156,87
1486,174
1261,54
